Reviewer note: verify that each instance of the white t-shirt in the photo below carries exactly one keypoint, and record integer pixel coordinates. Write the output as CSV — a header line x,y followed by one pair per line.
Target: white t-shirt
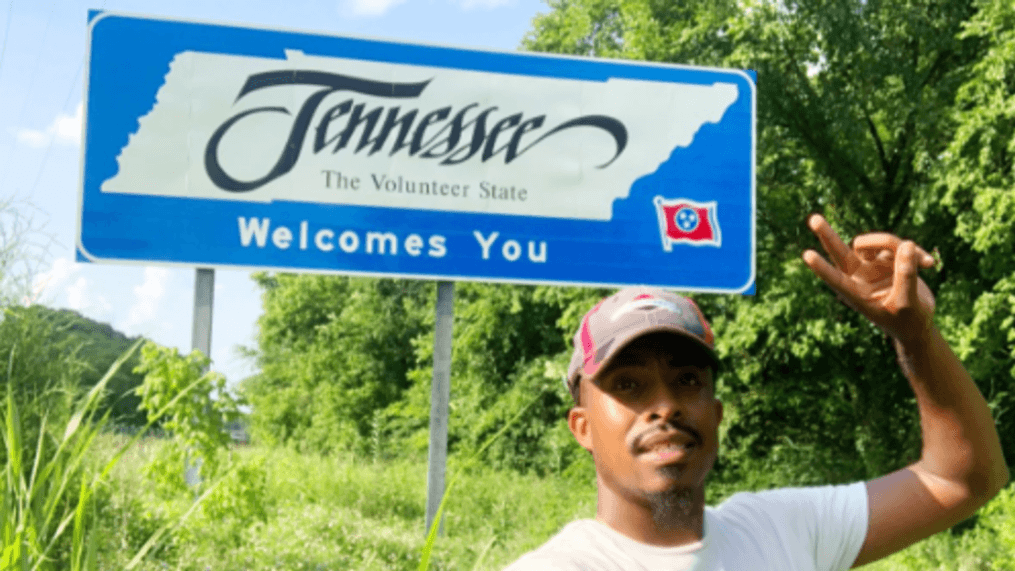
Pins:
x,y
789,529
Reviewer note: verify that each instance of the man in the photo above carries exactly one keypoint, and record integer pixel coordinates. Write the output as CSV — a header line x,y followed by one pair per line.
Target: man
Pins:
x,y
642,376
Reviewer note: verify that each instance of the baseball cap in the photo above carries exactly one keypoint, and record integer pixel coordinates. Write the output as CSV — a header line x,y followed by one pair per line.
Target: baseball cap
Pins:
x,y
631,313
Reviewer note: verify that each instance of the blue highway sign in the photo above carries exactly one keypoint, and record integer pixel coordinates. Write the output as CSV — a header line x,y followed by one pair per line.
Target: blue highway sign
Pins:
x,y
233,147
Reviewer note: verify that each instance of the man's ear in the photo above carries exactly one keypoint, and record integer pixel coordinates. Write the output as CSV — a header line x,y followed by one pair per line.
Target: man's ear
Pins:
x,y
718,411
578,422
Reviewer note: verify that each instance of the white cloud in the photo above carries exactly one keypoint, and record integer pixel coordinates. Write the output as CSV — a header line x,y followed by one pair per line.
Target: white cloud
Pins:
x,y
65,130
62,285
147,296
103,306
61,269
371,8
49,282
77,296
31,138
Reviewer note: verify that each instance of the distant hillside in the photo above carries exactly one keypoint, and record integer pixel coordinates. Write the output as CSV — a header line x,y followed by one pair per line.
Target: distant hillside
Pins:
x,y
101,345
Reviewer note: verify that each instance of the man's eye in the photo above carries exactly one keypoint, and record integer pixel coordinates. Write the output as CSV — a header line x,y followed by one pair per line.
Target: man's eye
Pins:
x,y
625,385
689,379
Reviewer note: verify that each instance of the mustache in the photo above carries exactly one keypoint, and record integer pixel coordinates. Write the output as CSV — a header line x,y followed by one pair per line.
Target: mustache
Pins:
x,y
668,426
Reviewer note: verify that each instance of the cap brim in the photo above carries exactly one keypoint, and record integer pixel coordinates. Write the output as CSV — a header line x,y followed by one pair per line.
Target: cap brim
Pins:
x,y
622,341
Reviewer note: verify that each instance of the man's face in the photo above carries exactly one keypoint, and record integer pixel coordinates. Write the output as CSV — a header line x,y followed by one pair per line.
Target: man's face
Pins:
x,y
650,419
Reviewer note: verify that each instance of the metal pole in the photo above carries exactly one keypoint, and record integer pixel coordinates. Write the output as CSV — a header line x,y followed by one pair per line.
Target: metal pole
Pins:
x,y
204,295
440,394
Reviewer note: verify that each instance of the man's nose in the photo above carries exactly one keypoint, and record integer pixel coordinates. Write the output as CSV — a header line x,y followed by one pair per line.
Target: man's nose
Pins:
x,y
664,401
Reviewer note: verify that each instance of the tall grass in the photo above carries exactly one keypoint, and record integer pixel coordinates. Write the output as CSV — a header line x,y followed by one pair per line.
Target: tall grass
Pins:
x,y
338,512
344,512
37,510
424,564
40,502
282,510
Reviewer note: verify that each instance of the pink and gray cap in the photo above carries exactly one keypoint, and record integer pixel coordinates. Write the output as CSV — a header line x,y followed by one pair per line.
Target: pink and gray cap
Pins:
x,y
628,314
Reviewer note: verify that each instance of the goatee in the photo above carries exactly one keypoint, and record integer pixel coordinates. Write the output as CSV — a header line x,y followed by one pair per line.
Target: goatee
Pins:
x,y
675,508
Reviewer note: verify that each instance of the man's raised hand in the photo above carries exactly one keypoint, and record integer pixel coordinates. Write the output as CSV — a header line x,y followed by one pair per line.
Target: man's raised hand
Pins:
x,y
877,277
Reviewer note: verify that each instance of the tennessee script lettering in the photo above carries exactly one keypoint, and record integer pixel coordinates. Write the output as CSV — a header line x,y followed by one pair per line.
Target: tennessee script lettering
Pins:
x,y
471,133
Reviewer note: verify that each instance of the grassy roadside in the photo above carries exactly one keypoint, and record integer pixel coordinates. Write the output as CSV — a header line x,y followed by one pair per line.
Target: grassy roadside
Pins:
x,y
341,513
337,513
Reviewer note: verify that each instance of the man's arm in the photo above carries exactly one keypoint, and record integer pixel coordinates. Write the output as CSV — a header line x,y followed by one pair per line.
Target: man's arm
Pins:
x,y
962,465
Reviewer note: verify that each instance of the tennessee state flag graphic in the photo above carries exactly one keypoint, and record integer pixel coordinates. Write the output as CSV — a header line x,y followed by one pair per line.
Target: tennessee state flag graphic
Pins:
x,y
683,221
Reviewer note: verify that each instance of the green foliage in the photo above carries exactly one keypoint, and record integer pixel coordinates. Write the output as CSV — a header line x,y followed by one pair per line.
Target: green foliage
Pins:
x,y
50,501
332,351
59,355
996,519
893,116
510,346
126,523
101,345
42,371
337,512
240,500
47,497
435,525
98,345
197,422
691,32
578,27
346,365
504,337
977,179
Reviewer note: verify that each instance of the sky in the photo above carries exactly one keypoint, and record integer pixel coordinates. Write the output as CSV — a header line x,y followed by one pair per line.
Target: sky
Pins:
x,y
42,64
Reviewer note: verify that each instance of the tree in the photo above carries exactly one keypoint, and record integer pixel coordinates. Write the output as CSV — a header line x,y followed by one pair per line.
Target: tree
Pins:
x,y
977,179
53,356
347,363
100,345
855,109
332,350
884,115
511,350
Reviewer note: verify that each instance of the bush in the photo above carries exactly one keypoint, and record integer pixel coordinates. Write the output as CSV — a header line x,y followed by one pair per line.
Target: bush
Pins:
x,y
198,423
239,501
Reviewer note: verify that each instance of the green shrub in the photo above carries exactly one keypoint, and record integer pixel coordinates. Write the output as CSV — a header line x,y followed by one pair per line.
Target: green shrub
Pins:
x,y
238,502
198,422
125,523
998,520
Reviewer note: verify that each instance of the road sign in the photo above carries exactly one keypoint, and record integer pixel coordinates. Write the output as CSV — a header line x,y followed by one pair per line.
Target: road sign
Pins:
x,y
230,147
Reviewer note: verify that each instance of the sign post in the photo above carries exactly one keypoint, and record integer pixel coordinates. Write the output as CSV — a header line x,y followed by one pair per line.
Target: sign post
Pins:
x,y
204,296
440,395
